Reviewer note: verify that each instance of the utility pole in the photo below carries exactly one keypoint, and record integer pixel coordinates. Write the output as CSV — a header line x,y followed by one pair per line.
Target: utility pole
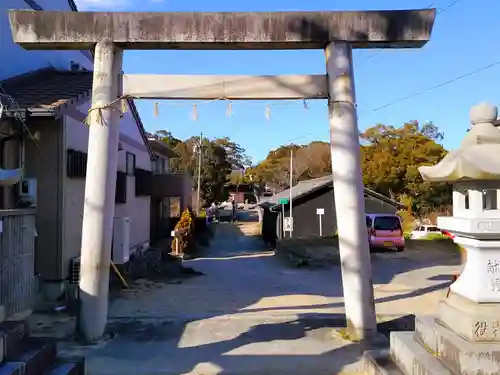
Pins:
x,y
291,186
199,172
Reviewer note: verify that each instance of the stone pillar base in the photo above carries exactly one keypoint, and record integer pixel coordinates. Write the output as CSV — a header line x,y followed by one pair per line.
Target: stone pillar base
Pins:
x,y
476,322
472,347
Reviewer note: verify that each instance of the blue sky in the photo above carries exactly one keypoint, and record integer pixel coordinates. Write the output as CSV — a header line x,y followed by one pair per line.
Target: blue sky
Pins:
x,y
465,38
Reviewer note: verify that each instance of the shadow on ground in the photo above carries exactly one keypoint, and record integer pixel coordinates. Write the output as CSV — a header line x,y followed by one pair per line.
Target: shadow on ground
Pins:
x,y
249,314
302,345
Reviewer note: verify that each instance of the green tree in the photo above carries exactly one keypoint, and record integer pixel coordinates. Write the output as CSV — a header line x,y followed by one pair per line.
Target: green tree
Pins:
x,y
167,138
216,165
215,172
236,155
391,157
309,161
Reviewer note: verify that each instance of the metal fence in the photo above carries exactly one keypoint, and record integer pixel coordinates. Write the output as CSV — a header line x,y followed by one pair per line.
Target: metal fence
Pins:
x,y
17,260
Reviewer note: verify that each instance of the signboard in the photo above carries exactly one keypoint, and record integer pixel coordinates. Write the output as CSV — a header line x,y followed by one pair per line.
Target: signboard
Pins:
x,y
320,211
287,224
283,201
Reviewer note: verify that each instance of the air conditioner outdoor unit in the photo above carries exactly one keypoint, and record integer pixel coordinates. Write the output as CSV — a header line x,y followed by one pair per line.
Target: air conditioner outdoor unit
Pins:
x,y
121,240
28,190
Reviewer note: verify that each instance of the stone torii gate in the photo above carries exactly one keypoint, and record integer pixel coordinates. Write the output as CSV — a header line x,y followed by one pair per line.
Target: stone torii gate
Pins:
x,y
110,33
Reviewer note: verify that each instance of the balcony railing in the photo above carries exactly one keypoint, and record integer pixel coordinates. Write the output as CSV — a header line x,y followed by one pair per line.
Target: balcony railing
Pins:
x,y
171,185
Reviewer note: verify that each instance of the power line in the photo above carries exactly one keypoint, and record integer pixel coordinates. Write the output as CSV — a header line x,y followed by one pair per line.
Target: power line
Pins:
x,y
431,88
448,6
454,2
453,80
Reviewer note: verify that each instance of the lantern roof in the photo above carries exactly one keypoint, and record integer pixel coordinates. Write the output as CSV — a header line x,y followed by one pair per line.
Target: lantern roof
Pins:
x,y
478,157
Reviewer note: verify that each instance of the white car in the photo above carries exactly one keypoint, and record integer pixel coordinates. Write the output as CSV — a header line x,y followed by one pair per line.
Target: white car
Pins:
x,y
422,231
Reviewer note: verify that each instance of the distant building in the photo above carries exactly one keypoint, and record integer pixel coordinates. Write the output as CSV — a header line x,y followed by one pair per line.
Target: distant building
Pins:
x,y
241,192
307,197
171,193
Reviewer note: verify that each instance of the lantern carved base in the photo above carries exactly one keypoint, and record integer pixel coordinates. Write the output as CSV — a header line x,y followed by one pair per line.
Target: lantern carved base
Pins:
x,y
464,339
480,278
475,322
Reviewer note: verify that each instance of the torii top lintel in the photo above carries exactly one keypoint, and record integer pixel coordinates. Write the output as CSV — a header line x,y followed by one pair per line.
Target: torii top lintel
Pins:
x,y
221,31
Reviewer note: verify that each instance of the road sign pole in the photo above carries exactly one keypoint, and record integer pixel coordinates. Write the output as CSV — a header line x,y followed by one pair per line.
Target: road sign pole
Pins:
x,y
283,220
320,227
320,212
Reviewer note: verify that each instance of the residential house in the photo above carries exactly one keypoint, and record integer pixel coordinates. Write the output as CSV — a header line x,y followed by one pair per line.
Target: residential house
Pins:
x,y
45,97
307,197
171,193
240,192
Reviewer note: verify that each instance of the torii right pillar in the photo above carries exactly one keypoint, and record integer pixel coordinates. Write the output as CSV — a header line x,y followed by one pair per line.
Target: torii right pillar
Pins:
x,y
349,193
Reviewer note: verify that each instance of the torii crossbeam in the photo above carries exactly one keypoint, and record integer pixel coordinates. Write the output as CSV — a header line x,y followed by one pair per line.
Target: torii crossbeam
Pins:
x,y
336,32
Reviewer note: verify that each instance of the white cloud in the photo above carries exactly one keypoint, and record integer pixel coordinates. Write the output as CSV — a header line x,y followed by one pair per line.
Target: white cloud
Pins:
x,y
101,4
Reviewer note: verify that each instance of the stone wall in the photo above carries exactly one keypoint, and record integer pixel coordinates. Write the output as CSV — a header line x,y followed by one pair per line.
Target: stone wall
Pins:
x,y
313,252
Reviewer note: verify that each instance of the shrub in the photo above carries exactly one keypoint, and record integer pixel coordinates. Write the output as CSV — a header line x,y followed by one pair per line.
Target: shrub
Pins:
x,y
185,225
407,220
436,236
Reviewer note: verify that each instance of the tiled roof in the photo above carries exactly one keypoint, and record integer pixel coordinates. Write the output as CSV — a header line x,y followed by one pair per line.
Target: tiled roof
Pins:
x,y
161,147
46,89
306,187
49,90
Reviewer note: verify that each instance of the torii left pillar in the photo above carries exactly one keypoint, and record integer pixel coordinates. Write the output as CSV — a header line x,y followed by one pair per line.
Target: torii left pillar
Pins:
x,y
100,187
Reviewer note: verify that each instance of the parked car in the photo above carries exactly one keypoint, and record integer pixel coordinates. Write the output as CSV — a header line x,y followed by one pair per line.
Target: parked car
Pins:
x,y
422,231
385,231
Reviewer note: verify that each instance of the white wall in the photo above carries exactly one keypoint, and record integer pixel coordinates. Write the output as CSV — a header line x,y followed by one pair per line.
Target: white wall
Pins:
x,y
136,208
26,61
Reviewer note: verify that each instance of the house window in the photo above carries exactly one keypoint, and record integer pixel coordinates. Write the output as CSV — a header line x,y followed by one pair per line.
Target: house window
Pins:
x,y
174,205
76,164
130,164
159,166
143,182
121,187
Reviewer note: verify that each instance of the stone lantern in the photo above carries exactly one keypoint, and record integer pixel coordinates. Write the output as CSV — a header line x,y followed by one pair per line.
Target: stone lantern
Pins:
x,y
474,170
464,337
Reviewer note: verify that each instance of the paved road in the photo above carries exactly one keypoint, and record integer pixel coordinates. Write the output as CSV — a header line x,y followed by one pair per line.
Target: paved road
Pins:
x,y
241,276
252,314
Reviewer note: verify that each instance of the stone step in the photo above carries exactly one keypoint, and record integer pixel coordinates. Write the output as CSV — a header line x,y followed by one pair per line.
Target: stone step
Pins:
x,y
12,368
458,354
2,314
38,355
67,367
12,335
378,362
412,358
